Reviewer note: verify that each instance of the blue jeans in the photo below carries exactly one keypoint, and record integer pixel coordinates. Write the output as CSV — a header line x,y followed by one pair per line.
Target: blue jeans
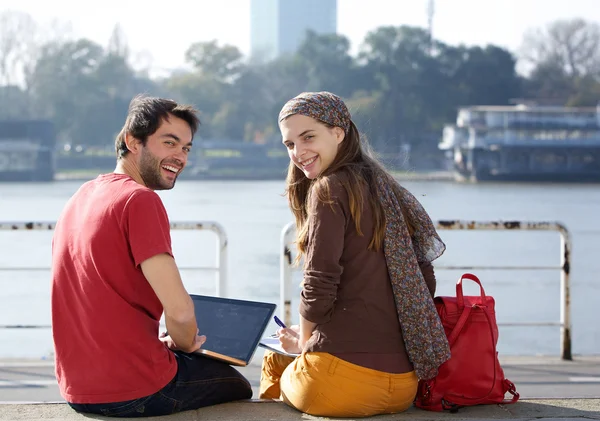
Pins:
x,y
199,382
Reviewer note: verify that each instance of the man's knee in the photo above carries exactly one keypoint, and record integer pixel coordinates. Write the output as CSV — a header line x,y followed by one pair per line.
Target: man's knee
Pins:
x,y
244,389
236,383
243,384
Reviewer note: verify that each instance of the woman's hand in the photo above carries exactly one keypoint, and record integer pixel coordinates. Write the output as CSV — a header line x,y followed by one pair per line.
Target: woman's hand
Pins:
x,y
295,329
289,338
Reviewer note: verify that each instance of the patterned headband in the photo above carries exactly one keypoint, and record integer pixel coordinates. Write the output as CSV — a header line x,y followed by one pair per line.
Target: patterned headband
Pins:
x,y
323,106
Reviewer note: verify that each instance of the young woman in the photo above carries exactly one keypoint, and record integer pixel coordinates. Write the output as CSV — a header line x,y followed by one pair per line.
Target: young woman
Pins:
x,y
368,327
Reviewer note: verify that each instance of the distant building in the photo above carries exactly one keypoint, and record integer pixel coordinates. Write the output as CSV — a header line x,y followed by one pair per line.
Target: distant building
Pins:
x,y
279,26
524,142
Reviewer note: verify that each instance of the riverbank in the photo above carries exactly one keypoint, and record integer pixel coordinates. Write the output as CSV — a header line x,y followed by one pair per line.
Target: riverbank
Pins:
x,y
85,175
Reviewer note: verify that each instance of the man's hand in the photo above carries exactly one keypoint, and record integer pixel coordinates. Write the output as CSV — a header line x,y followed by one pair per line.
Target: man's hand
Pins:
x,y
198,342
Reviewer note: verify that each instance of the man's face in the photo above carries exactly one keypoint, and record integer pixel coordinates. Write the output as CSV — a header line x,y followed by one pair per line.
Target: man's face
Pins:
x,y
165,154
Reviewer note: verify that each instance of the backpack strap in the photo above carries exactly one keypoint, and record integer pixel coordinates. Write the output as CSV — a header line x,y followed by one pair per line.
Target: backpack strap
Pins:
x,y
456,332
464,316
510,388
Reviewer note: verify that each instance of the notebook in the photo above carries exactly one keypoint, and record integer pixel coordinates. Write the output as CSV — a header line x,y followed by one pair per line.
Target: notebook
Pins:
x,y
233,328
272,343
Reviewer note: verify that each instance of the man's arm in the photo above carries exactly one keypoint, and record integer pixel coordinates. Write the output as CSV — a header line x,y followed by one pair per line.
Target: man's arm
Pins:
x,y
164,278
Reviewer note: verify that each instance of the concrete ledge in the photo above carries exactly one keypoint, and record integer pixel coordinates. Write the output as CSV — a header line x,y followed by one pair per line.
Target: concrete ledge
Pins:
x,y
259,410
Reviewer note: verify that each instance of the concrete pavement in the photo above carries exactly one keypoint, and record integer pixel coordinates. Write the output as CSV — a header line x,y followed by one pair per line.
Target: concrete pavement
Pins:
x,y
549,387
548,409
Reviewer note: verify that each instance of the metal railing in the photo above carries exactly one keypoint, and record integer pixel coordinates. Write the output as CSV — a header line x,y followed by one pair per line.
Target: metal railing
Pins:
x,y
287,268
220,265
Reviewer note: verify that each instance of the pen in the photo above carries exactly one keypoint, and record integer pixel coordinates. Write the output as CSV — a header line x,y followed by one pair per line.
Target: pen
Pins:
x,y
279,322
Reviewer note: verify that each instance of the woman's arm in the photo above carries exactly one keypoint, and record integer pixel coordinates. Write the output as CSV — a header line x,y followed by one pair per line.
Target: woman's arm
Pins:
x,y
306,329
429,275
322,271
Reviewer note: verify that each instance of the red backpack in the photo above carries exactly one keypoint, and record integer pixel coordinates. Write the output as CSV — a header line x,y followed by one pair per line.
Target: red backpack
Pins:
x,y
472,376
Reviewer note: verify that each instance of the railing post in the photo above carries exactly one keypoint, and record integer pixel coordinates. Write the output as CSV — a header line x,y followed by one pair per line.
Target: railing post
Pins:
x,y
285,274
221,274
221,259
565,293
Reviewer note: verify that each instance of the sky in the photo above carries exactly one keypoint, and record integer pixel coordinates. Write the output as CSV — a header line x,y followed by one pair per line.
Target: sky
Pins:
x,y
158,36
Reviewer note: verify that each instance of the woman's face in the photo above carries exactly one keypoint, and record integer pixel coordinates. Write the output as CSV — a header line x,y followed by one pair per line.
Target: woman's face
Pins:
x,y
311,145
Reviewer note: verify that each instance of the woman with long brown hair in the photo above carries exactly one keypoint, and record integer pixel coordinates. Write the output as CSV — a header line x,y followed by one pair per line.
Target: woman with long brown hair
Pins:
x,y
368,328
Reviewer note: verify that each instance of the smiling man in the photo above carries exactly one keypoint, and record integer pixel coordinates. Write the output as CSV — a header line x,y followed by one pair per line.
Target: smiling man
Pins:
x,y
113,276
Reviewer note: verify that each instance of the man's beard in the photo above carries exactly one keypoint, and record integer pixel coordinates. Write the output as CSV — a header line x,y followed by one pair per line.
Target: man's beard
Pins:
x,y
150,171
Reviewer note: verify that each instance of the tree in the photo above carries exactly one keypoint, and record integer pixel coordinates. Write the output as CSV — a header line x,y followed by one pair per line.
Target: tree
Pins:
x,y
62,82
223,63
84,89
14,102
117,43
549,83
572,45
587,93
205,92
565,60
483,76
409,81
265,89
248,116
328,64
17,30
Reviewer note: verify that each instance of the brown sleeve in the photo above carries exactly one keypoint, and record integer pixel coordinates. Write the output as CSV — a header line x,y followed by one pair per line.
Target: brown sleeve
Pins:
x,y
322,271
429,275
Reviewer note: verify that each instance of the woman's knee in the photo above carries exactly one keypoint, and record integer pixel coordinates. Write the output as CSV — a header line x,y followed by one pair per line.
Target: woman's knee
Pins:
x,y
274,363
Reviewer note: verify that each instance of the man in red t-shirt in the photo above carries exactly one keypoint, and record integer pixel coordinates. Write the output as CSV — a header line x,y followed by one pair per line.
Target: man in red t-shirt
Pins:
x,y
113,275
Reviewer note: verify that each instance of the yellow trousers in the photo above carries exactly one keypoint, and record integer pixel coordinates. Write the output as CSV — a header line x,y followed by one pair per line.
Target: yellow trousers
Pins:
x,y
320,384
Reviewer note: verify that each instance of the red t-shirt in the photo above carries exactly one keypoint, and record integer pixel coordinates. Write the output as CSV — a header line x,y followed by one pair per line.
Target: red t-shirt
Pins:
x,y
105,314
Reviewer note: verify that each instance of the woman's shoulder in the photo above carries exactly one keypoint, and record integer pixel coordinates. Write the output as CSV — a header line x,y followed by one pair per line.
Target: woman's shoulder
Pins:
x,y
333,186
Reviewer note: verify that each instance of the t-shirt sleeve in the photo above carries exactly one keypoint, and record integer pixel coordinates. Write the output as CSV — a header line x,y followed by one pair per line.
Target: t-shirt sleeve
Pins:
x,y
147,227
326,231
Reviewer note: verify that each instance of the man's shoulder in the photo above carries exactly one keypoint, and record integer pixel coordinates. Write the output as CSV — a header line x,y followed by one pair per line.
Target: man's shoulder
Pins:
x,y
141,198
116,192
125,189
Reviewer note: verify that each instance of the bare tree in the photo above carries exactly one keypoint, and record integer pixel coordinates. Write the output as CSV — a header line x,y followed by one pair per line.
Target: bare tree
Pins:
x,y
570,45
17,32
117,43
55,31
143,62
21,40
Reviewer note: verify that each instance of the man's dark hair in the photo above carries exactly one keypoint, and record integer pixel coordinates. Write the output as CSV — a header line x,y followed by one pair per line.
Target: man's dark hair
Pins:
x,y
145,116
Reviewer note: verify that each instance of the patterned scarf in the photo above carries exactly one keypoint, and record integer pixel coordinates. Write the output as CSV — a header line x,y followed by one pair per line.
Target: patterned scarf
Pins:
x,y
424,336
